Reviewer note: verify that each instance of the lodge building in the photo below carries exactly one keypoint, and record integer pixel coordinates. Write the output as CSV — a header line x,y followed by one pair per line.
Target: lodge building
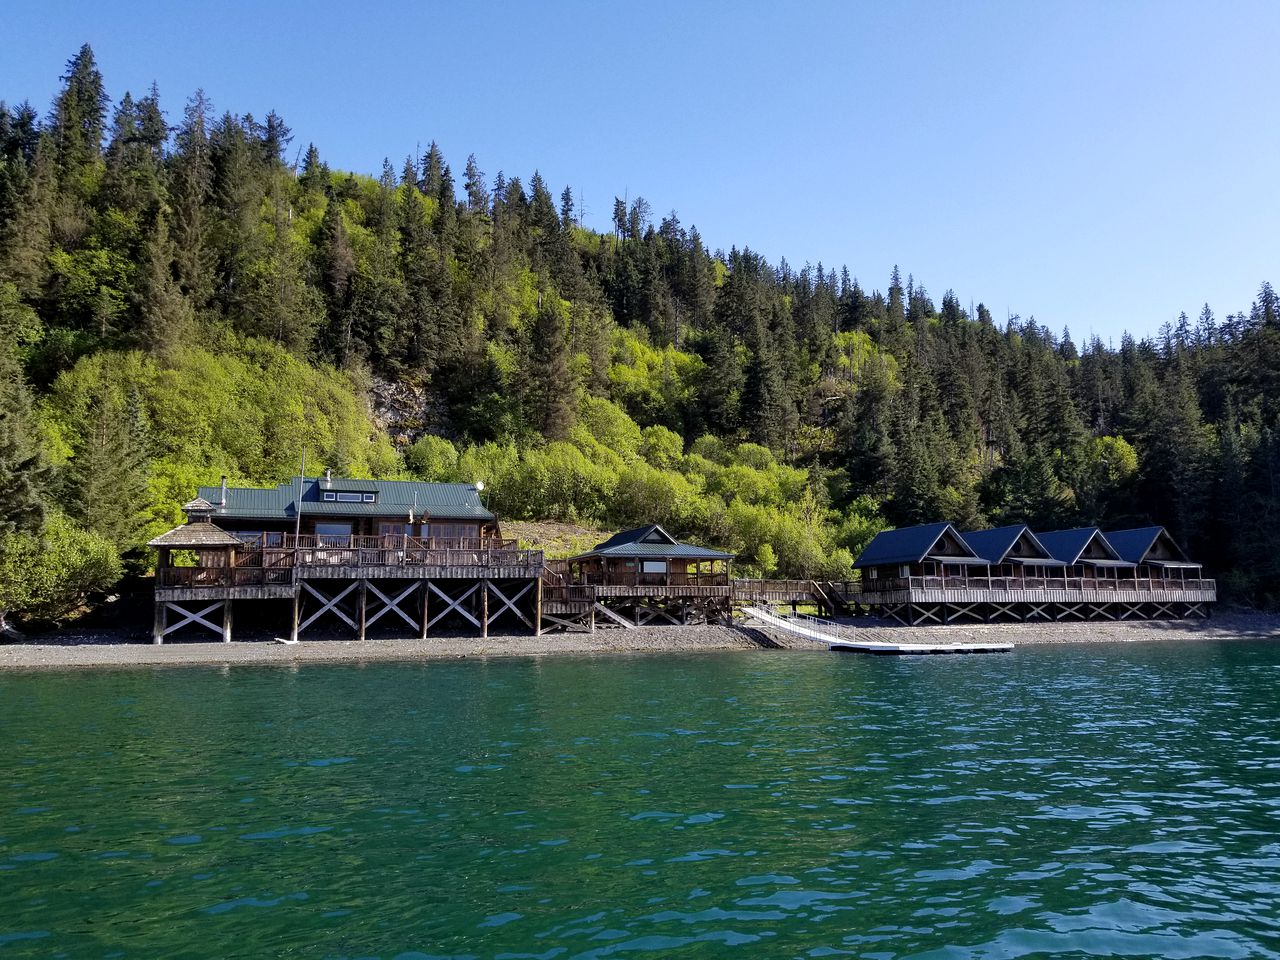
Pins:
x,y
933,573
419,557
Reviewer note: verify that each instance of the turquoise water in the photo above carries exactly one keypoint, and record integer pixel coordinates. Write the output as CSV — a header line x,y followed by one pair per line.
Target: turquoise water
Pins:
x,y
1065,801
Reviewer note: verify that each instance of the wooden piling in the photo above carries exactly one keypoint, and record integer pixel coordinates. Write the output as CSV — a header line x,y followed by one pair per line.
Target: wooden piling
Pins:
x,y
537,609
426,607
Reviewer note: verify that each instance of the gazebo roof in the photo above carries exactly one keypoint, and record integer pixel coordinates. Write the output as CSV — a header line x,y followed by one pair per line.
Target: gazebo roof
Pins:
x,y
651,541
196,535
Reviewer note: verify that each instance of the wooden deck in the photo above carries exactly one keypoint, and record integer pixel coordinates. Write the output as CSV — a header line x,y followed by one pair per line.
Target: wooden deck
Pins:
x,y
933,591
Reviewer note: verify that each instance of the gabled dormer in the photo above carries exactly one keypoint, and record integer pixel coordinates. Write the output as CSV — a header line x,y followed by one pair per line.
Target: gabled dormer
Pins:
x,y
940,542
1082,545
1011,544
1150,545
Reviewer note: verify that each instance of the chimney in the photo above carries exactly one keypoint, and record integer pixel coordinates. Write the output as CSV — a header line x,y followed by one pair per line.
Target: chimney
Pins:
x,y
328,478
224,490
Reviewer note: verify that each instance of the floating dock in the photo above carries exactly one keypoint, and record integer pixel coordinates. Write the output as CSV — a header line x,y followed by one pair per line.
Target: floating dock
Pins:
x,y
823,631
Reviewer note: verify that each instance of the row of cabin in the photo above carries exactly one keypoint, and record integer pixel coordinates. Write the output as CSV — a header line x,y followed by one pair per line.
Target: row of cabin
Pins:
x,y
938,550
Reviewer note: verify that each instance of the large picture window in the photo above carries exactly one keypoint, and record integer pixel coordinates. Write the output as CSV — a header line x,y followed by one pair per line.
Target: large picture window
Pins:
x,y
333,534
452,531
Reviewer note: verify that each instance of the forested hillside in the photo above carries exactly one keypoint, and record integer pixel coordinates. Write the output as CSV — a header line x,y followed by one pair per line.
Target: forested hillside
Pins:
x,y
188,293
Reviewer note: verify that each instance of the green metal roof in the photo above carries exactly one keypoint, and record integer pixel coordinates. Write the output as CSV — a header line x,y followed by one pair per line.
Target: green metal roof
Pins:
x,y
393,498
652,541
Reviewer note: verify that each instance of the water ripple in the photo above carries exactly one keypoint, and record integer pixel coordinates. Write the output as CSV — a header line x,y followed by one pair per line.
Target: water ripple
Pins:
x,y
1108,801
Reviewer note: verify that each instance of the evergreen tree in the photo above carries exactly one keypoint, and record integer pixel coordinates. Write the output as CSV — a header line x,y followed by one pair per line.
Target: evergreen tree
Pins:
x,y
78,120
165,316
337,263
105,483
474,185
192,194
551,384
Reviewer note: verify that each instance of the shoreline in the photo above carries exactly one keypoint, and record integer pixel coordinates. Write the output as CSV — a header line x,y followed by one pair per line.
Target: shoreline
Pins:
x,y
120,649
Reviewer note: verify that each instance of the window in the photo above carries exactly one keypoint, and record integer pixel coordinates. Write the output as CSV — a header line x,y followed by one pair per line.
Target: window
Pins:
x,y
349,497
452,531
904,570
395,529
873,573
653,566
369,497
333,534
330,496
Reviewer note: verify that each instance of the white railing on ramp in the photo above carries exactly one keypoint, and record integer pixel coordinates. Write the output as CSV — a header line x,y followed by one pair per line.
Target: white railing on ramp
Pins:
x,y
824,631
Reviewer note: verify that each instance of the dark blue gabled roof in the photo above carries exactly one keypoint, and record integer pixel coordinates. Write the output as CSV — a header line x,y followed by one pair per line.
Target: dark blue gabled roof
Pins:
x,y
1066,546
994,545
906,545
1133,545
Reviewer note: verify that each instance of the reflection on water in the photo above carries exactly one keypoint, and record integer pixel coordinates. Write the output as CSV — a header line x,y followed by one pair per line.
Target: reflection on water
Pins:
x,y
1067,801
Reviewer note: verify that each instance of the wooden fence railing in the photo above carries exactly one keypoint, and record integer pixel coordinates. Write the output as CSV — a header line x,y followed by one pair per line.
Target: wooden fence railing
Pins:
x,y
672,579
1105,584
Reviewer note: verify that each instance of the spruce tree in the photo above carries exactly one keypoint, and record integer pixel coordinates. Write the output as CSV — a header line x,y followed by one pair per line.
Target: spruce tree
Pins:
x,y
78,120
475,186
552,390
192,193
104,486
165,316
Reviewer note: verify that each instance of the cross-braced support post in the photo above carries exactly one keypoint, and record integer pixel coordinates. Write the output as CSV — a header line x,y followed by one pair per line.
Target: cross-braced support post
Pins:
x,y
331,605
509,603
162,627
392,604
456,605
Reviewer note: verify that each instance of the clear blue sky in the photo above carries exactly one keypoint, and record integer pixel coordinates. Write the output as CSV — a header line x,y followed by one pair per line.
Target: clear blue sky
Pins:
x,y
1101,165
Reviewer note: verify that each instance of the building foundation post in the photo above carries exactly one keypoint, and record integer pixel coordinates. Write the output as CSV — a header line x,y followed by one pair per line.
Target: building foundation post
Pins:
x,y
537,609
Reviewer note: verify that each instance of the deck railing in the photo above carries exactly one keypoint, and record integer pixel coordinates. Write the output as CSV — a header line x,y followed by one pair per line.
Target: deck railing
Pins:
x,y
1104,584
568,593
322,550
773,588
223,576
276,562
669,579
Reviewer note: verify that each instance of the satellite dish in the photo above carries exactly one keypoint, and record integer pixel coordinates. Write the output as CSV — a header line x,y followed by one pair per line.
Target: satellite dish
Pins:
x,y
479,485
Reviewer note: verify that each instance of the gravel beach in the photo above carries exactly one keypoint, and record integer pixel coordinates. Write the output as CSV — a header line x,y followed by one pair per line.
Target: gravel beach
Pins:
x,y
113,649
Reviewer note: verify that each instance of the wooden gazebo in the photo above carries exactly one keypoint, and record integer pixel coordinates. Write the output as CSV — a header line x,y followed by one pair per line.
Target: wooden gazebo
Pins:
x,y
213,551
